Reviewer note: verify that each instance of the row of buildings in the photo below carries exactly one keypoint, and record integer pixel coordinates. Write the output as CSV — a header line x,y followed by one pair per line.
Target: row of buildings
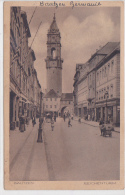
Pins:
x,y
97,85
25,89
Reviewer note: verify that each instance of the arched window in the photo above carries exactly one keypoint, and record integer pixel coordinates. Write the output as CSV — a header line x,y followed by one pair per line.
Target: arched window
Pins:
x,y
53,53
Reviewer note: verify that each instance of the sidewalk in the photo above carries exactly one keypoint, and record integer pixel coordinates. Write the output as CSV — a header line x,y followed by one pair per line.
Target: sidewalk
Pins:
x,y
95,124
27,154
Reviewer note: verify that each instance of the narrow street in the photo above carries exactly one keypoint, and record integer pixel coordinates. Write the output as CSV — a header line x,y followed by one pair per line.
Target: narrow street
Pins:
x,y
67,153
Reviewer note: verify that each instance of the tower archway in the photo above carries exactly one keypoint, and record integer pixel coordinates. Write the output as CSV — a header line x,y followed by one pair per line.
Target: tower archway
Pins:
x,y
64,109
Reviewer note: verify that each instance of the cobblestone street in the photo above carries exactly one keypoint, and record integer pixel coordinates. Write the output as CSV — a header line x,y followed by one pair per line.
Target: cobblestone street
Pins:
x,y
67,153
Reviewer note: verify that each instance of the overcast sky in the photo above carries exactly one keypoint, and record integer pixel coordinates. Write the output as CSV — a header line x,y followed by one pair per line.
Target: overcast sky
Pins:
x,y
82,30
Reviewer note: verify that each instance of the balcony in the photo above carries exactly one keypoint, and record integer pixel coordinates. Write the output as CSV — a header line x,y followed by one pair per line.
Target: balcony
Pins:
x,y
90,97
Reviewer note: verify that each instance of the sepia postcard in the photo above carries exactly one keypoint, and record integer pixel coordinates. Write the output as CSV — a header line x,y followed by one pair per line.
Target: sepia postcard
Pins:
x,y
63,95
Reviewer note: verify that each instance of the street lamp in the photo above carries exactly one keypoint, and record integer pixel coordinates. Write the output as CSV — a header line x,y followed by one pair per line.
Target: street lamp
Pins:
x,y
40,122
106,96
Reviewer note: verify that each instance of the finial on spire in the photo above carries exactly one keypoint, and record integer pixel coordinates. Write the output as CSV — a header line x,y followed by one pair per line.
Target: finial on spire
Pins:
x,y
54,18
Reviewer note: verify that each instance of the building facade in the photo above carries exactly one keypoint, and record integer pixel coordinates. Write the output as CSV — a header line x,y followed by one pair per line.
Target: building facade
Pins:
x,y
108,87
80,90
103,85
21,69
51,103
75,92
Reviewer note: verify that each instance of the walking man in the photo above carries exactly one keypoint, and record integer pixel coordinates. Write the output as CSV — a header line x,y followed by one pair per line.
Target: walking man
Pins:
x,y
64,117
33,121
52,123
101,126
69,122
41,126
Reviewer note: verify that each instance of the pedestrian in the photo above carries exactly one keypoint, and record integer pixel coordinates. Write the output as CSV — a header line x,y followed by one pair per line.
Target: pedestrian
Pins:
x,y
101,125
64,117
79,119
41,126
69,122
52,123
55,117
33,121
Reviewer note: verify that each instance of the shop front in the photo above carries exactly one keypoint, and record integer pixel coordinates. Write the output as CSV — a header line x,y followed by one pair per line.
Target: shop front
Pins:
x,y
98,114
108,111
14,107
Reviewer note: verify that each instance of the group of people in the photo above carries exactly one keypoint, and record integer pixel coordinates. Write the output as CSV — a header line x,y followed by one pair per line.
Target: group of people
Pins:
x,y
102,125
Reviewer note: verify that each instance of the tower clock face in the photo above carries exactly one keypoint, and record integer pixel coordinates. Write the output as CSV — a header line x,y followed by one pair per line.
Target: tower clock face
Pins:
x,y
53,64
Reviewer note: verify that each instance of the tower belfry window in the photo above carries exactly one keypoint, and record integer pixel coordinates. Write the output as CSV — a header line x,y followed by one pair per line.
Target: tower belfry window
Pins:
x,y
53,53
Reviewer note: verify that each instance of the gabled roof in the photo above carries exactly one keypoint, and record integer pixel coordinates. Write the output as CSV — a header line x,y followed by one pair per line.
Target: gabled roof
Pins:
x,y
67,96
105,50
51,94
107,57
110,46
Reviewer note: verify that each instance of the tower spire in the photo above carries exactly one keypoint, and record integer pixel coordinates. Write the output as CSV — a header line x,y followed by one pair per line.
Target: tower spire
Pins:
x,y
53,26
54,18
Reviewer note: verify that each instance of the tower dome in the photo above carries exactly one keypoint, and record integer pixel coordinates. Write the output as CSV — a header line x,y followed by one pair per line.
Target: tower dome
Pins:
x,y
53,26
